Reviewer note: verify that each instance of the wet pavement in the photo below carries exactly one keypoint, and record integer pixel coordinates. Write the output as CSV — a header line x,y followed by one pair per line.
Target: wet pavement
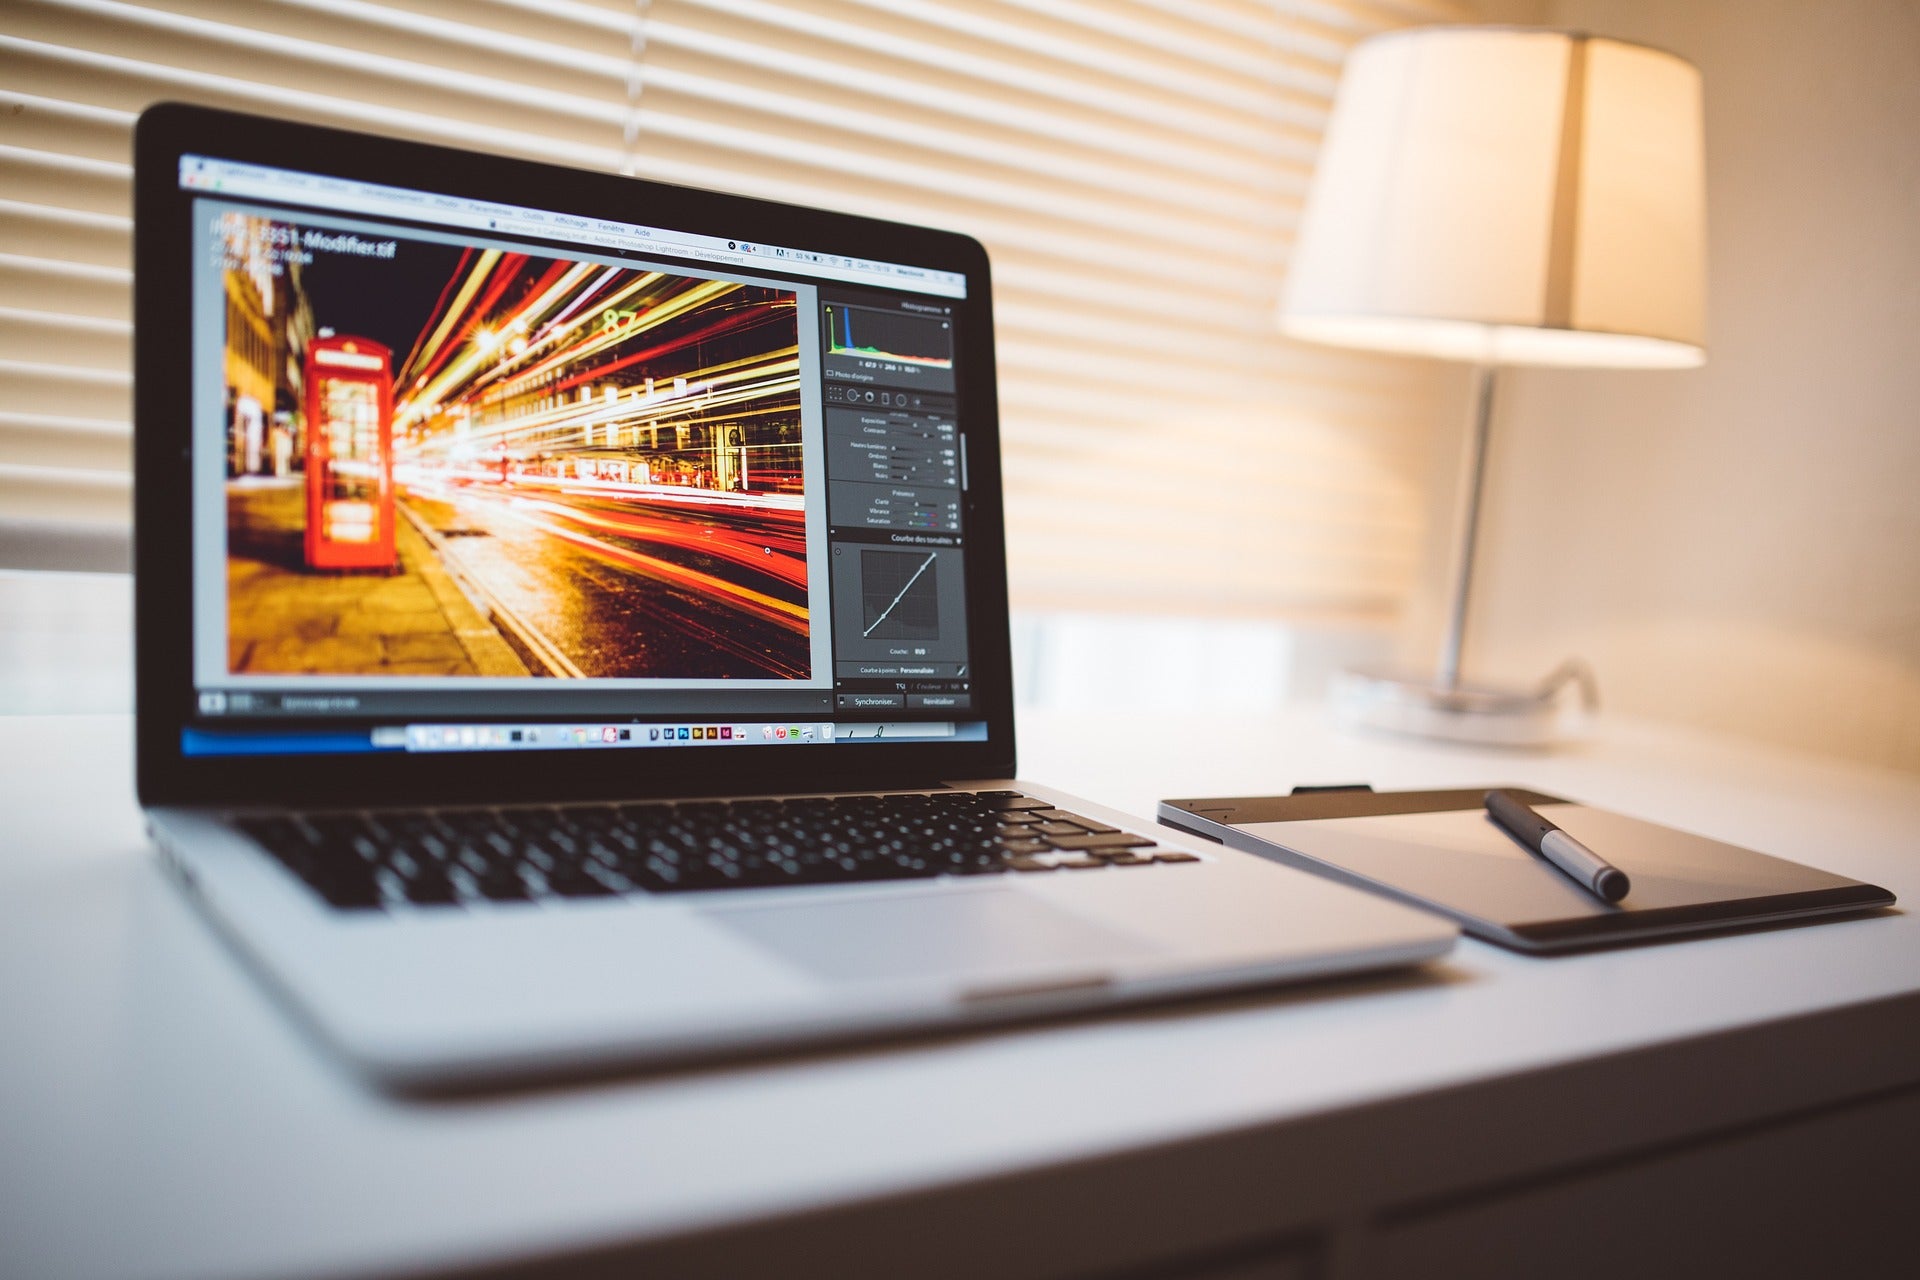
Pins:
x,y
283,618
598,584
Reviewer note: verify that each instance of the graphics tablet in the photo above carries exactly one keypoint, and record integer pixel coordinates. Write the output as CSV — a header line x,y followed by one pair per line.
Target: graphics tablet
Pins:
x,y
1440,850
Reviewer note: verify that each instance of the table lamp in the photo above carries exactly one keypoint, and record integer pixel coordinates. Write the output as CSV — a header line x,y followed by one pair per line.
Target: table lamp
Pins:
x,y
1503,196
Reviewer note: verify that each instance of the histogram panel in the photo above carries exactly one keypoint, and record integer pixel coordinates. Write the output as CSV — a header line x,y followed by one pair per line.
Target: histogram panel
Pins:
x,y
893,348
889,335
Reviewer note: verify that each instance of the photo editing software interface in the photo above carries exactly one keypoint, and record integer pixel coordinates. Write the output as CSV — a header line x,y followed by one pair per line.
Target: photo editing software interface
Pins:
x,y
478,477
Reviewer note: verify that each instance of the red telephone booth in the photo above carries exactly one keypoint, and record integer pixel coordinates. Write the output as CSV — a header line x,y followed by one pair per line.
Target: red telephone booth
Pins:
x,y
349,454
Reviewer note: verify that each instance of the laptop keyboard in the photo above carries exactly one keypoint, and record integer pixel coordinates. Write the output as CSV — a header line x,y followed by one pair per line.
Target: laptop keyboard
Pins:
x,y
447,857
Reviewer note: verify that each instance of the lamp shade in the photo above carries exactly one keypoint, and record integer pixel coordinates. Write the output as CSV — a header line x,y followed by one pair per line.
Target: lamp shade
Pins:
x,y
1508,196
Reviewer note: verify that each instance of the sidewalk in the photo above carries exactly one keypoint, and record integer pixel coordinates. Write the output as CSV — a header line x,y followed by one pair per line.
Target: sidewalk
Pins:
x,y
283,618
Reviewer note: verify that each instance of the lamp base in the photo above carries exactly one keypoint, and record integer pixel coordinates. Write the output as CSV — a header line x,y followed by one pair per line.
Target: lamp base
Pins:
x,y
1487,715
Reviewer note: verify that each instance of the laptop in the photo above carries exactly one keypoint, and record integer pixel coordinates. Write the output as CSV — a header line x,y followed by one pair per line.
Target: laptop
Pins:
x,y
572,626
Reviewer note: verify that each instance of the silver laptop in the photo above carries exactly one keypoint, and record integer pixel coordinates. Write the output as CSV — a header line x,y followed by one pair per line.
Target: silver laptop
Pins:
x,y
572,626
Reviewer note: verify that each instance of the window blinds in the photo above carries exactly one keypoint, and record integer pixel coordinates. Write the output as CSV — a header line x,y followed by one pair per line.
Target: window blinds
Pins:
x,y
1135,167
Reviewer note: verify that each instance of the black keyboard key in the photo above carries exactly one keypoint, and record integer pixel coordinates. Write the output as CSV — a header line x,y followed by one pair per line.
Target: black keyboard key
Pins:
x,y
578,884
1093,825
431,887
1010,801
1112,840
502,884
350,894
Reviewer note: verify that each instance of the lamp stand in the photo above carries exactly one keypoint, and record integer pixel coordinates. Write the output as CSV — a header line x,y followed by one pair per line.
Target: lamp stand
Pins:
x,y
1445,706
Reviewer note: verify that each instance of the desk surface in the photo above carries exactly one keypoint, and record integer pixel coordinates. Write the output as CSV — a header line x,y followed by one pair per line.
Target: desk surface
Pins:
x,y
160,1116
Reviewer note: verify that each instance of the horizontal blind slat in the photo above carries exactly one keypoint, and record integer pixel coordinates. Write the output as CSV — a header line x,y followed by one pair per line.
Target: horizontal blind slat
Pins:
x,y
68,235
185,43
1107,43
669,160
728,54
1156,108
66,495
1249,51
35,388
66,444
895,138
128,83
54,338
853,170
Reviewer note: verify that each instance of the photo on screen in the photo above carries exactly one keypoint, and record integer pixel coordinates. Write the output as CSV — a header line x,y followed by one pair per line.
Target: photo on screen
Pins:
x,y
462,460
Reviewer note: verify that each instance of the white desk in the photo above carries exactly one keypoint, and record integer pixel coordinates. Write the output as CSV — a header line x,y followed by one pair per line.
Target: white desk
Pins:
x,y
159,1116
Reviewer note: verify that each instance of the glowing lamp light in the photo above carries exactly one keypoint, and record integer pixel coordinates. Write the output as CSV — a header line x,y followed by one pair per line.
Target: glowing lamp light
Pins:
x,y
346,358
1508,196
349,521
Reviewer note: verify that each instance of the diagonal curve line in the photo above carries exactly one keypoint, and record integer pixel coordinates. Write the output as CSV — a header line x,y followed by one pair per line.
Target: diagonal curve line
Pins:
x,y
903,593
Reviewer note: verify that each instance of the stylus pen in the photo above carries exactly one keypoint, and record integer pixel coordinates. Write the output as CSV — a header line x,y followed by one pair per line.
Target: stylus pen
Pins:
x,y
1594,873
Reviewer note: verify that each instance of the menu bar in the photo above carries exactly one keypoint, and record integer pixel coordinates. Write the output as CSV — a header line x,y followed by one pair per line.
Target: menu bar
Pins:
x,y
344,195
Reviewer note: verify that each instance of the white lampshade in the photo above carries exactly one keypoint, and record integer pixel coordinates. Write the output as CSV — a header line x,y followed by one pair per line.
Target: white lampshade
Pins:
x,y
1508,196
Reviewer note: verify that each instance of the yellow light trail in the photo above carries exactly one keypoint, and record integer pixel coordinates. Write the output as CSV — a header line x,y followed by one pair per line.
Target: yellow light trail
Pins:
x,y
475,277
771,607
628,412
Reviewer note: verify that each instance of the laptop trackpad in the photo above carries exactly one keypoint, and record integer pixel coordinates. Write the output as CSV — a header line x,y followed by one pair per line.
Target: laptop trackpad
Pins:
x,y
916,936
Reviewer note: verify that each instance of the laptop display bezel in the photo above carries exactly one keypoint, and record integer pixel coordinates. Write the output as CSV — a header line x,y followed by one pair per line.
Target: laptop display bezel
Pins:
x,y
163,583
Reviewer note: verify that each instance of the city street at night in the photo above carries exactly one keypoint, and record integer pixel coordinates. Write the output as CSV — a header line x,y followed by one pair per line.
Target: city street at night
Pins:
x,y
604,461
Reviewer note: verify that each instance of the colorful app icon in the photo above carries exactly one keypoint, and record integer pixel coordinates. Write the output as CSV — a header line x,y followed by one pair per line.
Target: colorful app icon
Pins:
x,y
766,731
609,734
579,735
726,732
684,733
781,732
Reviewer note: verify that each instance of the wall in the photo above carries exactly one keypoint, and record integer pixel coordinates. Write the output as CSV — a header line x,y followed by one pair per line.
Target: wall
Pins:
x,y
1738,547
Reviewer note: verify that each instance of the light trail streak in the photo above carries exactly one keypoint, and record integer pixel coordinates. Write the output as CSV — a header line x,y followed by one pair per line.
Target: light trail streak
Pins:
x,y
733,546
639,410
791,616
415,476
471,286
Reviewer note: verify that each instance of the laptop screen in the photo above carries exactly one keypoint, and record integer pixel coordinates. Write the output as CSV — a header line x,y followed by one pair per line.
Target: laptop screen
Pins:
x,y
471,476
